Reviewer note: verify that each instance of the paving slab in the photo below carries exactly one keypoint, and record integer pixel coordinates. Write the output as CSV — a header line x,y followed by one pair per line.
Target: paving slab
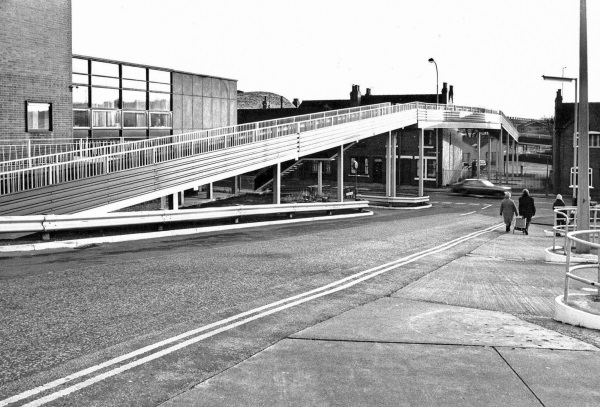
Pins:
x,y
558,378
492,284
405,321
324,373
516,247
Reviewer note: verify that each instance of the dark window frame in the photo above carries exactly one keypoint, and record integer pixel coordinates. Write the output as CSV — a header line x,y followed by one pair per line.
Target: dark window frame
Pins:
x,y
27,129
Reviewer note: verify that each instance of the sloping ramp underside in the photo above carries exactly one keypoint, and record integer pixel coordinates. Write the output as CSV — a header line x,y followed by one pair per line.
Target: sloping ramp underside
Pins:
x,y
189,168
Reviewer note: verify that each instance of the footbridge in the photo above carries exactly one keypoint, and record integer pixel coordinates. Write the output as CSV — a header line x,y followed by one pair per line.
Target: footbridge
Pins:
x,y
106,178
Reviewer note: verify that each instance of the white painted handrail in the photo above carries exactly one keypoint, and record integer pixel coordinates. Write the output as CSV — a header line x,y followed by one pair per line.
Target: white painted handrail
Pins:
x,y
569,274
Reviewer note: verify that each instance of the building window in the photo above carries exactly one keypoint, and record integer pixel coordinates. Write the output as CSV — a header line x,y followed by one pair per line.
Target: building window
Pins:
x,y
106,118
133,72
133,99
133,84
39,116
363,166
430,166
106,98
160,120
160,101
160,76
594,139
103,81
80,66
134,119
81,118
105,69
81,96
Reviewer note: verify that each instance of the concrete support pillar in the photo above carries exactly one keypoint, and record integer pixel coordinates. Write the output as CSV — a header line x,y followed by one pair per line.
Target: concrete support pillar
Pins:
x,y
320,178
393,169
507,157
236,185
500,157
209,191
277,184
182,198
175,201
512,161
421,164
478,154
340,174
163,203
489,163
388,165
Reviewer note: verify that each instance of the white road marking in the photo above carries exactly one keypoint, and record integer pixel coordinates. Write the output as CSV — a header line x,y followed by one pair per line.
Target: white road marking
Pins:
x,y
468,213
485,207
460,203
275,307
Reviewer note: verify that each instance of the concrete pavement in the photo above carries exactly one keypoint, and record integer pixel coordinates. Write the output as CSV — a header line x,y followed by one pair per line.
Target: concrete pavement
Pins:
x,y
464,335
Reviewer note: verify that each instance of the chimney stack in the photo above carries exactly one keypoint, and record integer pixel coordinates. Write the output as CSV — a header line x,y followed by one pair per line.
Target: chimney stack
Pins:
x,y
451,95
368,92
355,96
265,103
444,98
296,102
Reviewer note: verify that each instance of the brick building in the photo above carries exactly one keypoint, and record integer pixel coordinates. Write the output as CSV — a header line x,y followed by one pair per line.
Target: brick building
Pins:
x,y
35,69
563,150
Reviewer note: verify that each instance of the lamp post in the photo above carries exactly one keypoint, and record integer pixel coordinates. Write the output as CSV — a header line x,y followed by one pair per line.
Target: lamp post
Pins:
x,y
563,79
437,103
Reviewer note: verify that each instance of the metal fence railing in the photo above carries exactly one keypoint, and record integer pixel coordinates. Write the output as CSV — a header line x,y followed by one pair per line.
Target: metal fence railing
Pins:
x,y
44,170
18,149
565,221
593,245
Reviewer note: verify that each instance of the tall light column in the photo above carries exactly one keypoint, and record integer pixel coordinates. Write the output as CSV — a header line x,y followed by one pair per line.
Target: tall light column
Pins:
x,y
583,180
437,103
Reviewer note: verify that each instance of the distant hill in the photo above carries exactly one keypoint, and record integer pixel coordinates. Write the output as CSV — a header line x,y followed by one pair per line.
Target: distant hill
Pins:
x,y
254,100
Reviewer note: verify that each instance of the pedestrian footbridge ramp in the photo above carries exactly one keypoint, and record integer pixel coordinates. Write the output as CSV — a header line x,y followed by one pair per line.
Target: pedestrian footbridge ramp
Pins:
x,y
112,177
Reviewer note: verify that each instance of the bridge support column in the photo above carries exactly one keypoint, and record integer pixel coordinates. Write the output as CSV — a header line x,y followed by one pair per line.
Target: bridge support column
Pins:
x,y
478,154
506,172
340,174
182,198
175,201
209,191
489,163
277,184
163,203
500,161
421,163
236,185
390,162
320,178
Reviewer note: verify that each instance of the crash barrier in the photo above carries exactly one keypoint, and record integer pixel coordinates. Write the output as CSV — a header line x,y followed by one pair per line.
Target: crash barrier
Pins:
x,y
565,221
396,201
54,223
580,237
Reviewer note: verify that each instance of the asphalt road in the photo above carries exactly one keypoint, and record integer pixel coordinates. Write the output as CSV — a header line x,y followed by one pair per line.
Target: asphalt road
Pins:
x,y
70,310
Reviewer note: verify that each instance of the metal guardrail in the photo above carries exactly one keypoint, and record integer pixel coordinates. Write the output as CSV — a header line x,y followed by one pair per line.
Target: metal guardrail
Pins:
x,y
568,214
19,149
54,223
569,274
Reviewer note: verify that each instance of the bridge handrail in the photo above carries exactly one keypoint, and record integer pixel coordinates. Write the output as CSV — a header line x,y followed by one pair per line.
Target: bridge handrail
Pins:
x,y
163,140
569,274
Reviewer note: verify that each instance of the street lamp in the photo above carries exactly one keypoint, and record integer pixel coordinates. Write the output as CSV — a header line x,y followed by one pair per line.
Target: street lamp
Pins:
x,y
437,103
563,79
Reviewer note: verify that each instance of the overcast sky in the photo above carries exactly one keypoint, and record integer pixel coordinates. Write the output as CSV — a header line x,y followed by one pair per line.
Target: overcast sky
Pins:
x,y
493,52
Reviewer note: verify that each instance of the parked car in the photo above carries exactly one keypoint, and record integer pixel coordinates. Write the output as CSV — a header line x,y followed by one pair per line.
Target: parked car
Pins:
x,y
478,187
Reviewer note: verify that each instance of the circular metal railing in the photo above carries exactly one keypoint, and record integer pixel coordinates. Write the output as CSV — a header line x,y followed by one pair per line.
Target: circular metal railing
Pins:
x,y
589,239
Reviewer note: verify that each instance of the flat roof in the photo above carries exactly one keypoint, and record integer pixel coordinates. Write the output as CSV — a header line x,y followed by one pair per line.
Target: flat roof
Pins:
x,y
149,66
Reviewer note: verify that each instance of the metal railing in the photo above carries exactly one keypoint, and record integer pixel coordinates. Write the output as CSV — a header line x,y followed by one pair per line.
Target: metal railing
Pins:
x,y
565,222
574,237
17,149
44,170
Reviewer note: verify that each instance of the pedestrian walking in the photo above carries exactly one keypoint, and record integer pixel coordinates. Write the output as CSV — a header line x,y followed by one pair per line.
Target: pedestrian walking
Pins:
x,y
526,209
560,220
508,210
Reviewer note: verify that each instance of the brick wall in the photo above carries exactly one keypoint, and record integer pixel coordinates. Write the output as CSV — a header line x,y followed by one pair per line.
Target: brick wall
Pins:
x,y
35,64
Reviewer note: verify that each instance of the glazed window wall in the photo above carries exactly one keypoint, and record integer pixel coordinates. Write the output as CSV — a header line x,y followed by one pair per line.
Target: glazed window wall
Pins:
x,y
119,96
